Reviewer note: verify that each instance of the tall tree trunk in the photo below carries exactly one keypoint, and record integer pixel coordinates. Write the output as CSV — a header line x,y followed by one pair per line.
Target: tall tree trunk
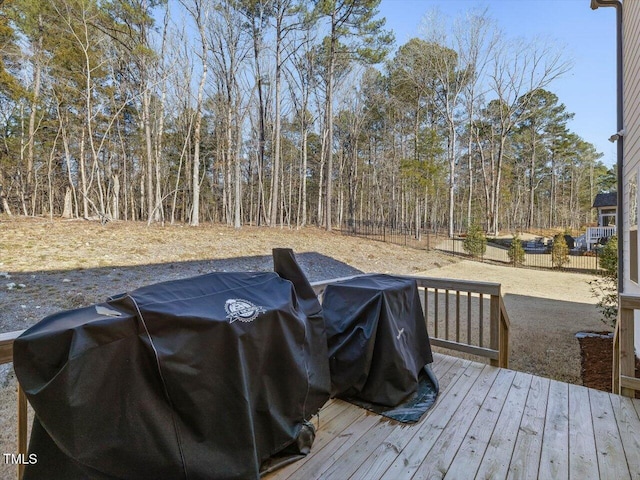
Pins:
x,y
261,124
195,179
35,98
3,197
276,148
228,159
146,125
329,121
496,188
532,169
470,187
304,176
452,168
199,12
323,152
237,218
115,200
83,176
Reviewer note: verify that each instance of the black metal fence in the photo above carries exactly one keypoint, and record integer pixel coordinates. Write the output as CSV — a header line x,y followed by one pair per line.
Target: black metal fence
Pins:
x,y
535,256
424,239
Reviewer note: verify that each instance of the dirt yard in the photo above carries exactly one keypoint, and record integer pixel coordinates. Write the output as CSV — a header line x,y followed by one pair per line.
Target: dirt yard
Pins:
x,y
546,310
66,264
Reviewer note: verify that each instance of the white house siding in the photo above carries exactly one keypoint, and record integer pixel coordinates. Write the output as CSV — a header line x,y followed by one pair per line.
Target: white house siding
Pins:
x,y
631,109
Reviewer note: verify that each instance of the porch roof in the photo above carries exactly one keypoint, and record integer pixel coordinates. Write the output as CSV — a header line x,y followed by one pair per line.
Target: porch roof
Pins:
x,y
609,199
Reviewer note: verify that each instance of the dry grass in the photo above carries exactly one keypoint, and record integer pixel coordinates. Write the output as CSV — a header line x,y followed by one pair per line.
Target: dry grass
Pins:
x,y
67,264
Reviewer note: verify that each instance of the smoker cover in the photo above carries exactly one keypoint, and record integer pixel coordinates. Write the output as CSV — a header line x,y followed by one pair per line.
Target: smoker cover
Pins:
x,y
201,378
377,337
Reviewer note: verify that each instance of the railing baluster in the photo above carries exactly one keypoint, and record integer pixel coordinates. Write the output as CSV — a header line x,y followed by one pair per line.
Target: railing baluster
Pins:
x,y
494,319
481,322
435,328
446,314
458,316
503,350
469,318
615,380
426,307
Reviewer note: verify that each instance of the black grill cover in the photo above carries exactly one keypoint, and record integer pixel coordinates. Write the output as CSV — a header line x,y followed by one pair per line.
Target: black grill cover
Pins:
x,y
377,336
201,378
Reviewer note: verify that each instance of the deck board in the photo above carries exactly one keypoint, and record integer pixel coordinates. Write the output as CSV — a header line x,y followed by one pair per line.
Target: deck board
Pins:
x,y
465,463
629,427
429,430
436,463
612,461
377,463
583,460
487,423
497,457
554,458
529,442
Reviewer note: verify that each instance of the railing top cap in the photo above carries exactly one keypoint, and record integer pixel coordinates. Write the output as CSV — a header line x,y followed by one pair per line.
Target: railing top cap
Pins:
x,y
490,288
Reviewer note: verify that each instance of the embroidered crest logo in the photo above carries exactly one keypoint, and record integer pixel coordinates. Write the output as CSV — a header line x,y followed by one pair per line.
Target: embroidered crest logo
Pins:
x,y
243,310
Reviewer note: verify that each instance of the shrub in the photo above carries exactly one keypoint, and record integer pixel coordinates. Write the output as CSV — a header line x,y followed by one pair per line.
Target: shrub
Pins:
x,y
516,251
559,252
609,257
605,288
475,243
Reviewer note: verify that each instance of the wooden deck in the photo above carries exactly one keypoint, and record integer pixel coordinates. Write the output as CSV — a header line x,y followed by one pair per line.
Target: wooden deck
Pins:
x,y
488,423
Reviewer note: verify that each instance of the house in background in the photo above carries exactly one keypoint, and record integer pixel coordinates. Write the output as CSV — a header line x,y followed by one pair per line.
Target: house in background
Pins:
x,y
607,206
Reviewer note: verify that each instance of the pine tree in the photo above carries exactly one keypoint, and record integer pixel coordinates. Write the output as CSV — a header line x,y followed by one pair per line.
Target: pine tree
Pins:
x,y
353,23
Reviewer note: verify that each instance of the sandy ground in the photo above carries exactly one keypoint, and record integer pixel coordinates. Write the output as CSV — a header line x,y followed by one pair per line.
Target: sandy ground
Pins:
x,y
64,265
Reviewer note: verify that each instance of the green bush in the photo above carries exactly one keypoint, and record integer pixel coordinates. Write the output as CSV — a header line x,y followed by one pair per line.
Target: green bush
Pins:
x,y
605,288
609,257
475,243
516,252
559,252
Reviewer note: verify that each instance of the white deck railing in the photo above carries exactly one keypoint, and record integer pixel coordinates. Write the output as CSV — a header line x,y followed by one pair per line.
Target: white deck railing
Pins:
x,y
594,234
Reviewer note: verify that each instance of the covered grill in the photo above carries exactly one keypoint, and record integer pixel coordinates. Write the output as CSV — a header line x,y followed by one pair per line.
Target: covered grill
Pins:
x,y
378,341
206,377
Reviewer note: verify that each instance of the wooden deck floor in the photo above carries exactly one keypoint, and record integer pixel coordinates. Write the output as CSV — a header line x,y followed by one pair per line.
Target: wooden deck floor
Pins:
x,y
488,423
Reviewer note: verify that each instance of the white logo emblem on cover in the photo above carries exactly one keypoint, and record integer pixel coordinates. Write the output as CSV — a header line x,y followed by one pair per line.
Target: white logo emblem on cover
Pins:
x,y
243,310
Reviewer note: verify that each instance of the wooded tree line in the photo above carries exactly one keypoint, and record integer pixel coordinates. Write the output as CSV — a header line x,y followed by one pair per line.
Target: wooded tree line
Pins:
x,y
283,112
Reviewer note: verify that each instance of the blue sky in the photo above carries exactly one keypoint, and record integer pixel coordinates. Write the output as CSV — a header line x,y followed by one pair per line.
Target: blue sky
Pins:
x,y
588,38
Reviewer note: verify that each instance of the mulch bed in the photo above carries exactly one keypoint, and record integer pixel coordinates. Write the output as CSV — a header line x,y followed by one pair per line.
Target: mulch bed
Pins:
x,y
597,357
596,361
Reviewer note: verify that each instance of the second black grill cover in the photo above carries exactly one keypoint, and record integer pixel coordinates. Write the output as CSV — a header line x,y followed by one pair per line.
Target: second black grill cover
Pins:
x,y
377,337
